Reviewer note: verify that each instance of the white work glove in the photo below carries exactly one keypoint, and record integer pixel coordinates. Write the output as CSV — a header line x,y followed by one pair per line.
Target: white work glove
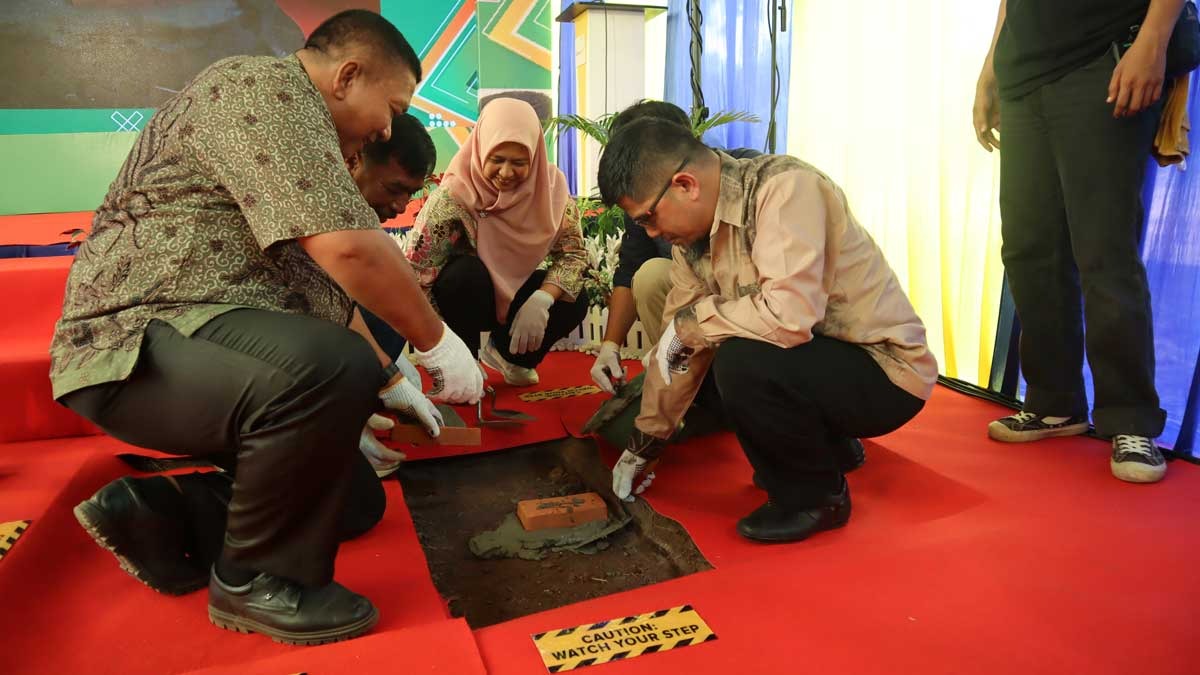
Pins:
x,y
608,367
377,453
671,354
405,397
640,452
409,371
529,326
454,370
626,469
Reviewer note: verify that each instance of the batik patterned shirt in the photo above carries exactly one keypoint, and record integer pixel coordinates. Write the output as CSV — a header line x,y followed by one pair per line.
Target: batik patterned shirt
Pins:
x,y
203,219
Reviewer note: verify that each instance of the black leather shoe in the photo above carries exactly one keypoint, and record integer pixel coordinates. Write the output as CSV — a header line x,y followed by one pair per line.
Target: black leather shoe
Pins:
x,y
287,612
851,455
774,523
149,545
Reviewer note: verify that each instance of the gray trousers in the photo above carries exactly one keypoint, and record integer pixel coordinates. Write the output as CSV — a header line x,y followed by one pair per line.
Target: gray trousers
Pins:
x,y
278,398
1070,199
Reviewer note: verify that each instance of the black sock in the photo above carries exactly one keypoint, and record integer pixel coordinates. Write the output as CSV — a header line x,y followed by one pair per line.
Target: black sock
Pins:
x,y
233,574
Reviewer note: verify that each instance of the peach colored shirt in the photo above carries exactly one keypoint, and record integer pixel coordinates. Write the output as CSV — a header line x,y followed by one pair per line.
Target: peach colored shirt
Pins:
x,y
785,260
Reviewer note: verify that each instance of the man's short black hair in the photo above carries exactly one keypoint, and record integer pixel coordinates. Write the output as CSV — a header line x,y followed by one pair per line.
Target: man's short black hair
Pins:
x,y
410,145
639,156
362,27
650,108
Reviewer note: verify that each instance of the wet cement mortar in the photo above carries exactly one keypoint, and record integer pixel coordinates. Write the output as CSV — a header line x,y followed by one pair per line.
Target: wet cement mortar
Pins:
x,y
453,500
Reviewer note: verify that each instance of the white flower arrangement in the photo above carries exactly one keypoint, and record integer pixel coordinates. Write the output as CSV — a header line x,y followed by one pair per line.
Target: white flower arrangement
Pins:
x,y
604,253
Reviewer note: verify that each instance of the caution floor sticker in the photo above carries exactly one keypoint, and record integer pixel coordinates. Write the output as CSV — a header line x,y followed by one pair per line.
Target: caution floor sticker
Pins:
x,y
9,533
626,638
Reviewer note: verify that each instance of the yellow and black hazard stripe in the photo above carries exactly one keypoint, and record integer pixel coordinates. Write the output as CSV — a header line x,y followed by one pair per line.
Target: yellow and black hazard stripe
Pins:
x,y
621,639
9,534
561,392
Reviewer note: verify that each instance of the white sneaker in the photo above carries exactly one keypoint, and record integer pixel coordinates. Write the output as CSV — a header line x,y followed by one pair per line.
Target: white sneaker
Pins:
x,y
514,375
1136,459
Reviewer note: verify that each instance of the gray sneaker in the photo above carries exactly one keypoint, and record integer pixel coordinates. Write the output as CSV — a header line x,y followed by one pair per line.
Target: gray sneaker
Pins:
x,y
1136,459
1026,426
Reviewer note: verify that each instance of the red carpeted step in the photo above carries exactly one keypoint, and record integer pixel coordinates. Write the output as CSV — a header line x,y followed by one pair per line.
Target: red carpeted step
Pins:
x,y
32,289
442,647
41,229
60,588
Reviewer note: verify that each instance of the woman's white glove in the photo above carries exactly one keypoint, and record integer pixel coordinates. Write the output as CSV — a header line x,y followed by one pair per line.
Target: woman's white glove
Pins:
x,y
529,325
406,398
455,372
608,367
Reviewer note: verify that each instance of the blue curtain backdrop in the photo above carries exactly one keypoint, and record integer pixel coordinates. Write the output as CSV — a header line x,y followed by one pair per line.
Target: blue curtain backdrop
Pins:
x,y
1171,253
567,143
735,68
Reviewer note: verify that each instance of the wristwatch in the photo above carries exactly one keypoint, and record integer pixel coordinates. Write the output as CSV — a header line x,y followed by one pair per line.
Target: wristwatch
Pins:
x,y
390,371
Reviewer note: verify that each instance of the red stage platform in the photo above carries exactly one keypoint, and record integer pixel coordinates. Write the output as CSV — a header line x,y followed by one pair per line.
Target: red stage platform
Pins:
x,y
963,555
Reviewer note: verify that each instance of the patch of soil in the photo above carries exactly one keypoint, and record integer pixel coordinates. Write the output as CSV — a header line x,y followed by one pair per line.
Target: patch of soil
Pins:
x,y
452,500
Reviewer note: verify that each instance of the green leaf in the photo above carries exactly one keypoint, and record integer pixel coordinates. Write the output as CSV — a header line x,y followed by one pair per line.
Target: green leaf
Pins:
x,y
597,129
721,118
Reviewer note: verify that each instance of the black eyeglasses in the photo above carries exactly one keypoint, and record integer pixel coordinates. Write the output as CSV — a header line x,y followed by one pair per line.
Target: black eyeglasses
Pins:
x,y
642,219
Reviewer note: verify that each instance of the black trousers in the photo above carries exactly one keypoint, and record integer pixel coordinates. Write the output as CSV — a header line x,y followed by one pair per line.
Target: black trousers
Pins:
x,y
1070,197
201,506
278,398
466,299
794,410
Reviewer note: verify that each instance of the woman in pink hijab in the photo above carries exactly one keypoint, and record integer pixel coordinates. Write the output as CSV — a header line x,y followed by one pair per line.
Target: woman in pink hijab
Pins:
x,y
501,210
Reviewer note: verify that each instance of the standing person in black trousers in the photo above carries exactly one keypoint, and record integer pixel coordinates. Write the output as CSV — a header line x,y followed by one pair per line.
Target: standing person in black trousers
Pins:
x,y
1074,87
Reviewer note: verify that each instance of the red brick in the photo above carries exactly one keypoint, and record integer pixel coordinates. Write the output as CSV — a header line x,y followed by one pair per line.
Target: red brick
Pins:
x,y
415,434
569,511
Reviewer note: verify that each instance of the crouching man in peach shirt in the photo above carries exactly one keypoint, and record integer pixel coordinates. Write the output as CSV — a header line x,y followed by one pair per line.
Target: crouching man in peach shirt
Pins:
x,y
781,298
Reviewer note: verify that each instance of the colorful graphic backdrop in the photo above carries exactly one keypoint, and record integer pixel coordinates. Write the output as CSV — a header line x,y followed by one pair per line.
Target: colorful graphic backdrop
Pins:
x,y
63,138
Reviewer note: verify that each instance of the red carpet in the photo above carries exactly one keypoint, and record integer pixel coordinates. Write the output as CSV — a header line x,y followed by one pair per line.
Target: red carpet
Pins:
x,y
569,369
32,302
963,556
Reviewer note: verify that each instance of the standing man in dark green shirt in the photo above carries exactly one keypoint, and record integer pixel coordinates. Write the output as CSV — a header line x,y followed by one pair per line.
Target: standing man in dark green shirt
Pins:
x,y
207,315
1074,88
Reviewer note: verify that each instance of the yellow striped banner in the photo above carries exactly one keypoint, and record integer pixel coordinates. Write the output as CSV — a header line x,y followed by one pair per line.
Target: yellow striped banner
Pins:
x,y
627,638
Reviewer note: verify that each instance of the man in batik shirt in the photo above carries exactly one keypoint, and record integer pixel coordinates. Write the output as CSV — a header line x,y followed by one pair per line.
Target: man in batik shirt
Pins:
x,y
207,315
